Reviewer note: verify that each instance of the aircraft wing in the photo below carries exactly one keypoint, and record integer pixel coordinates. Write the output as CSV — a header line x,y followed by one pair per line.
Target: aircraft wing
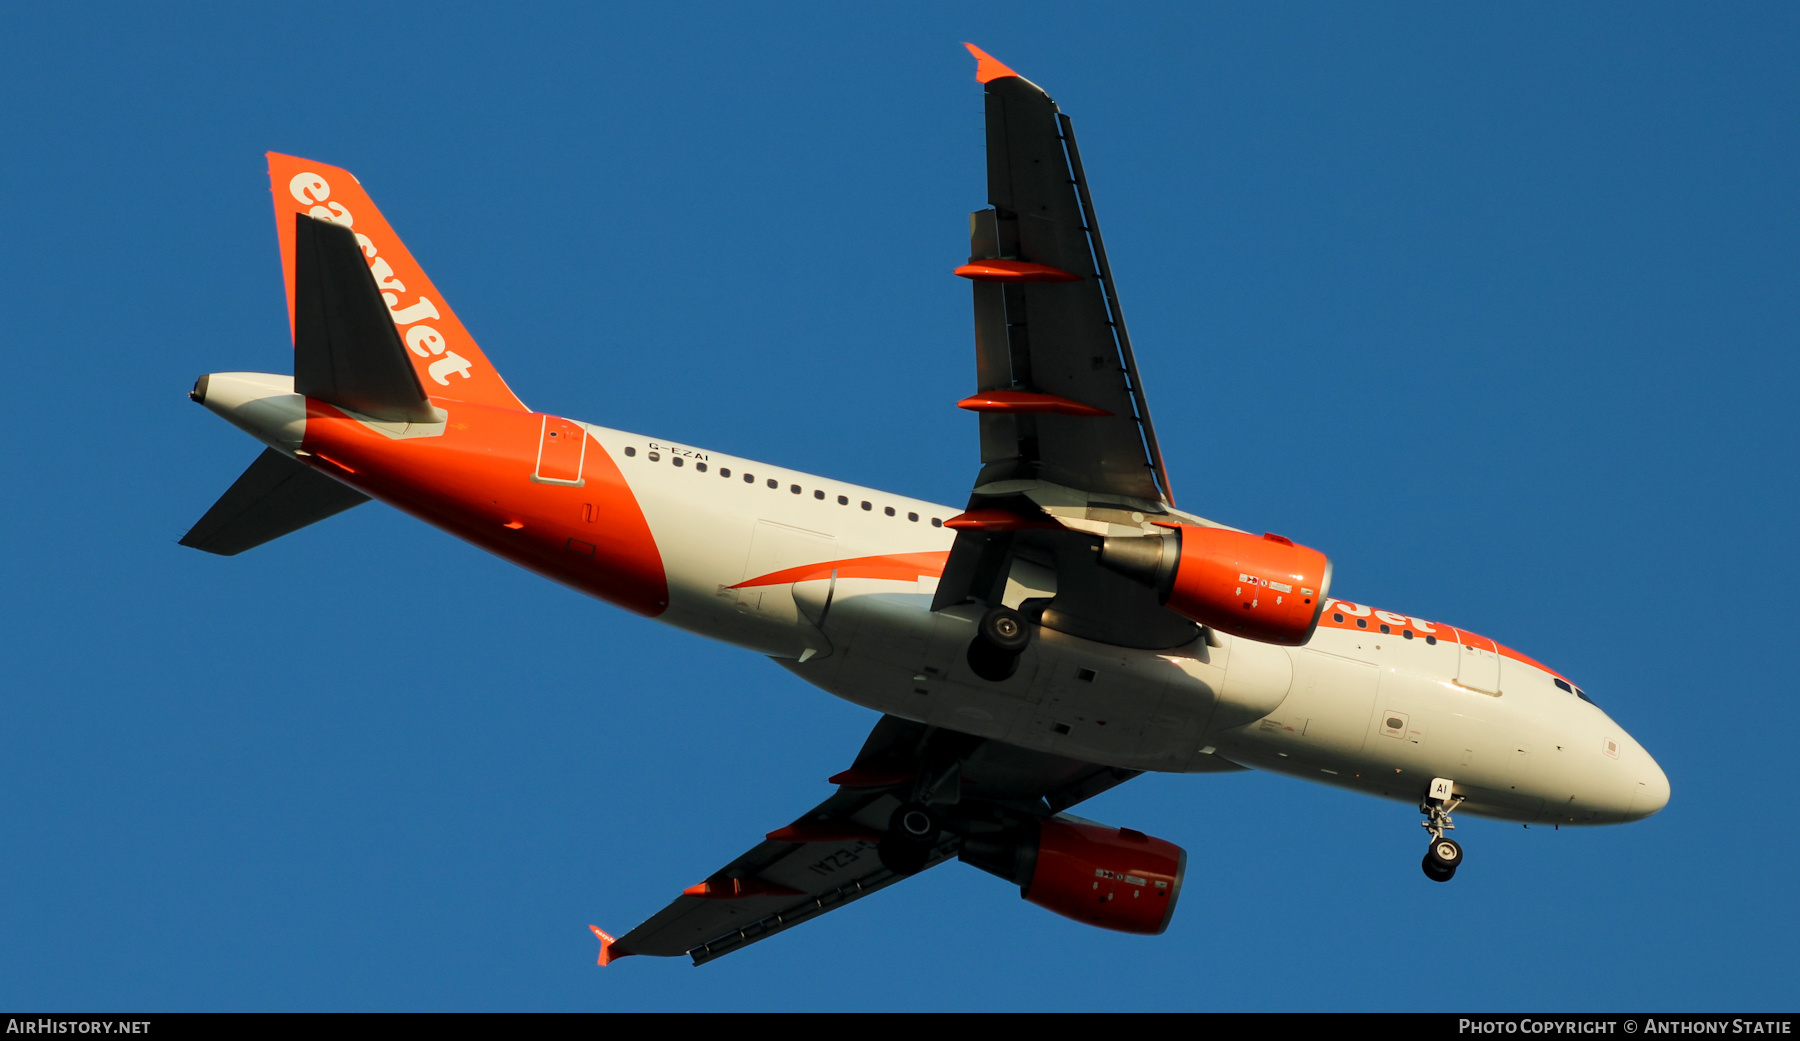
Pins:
x,y
1059,393
1068,451
829,856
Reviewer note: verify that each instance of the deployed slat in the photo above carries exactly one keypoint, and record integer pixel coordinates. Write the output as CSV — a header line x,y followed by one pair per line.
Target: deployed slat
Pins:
x,y
346,349
274,497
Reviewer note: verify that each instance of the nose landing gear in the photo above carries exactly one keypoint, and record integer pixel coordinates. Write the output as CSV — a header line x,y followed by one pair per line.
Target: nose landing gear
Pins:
x,y
1444,855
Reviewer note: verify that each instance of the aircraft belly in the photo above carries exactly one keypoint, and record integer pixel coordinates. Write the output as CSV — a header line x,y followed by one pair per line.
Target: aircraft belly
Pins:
x,y
1071,697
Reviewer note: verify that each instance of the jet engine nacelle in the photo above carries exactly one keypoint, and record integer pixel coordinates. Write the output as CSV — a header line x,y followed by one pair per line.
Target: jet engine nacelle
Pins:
x,y
1115,878
1265,589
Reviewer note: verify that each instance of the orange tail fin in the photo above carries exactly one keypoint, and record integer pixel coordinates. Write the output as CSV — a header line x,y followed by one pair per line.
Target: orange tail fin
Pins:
x,y
445,356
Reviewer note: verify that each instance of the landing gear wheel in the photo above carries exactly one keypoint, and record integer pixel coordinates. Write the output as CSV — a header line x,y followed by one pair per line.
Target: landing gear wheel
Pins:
x,y
1000,637
1005,629
1442,858
915,823
912,833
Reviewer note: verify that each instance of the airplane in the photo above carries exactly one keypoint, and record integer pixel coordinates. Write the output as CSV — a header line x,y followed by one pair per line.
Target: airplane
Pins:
x,y
1066,630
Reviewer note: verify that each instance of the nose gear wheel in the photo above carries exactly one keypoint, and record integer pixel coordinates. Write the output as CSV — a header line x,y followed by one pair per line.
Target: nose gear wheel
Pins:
x,y
1444,855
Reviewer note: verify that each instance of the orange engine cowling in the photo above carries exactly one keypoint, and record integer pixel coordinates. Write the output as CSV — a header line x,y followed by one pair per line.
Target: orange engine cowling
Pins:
x,y
1265,589
1114,878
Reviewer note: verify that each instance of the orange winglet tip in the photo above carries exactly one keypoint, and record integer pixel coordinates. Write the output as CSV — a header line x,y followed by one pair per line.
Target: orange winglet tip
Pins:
x,y
1013,271
738,889
987,67
996,519
609,950
1027,401
857,777
824,831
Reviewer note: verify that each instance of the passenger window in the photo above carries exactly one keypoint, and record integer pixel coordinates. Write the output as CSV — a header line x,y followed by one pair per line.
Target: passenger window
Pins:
x,y
630,450
655,456
1406,633
700,467
912,516
724,471
843,500
889,511
1362,623
868,506
794,488
677,460
773,483
817,494
1385,629
1431,640
936,523
1337,616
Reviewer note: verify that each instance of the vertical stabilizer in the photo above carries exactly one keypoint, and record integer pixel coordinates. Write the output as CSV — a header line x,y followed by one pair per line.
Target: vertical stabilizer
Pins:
x,y
444,356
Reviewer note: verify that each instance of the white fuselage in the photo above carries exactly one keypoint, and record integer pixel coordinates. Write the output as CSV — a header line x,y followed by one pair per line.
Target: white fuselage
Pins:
x,y
835,582
1378,713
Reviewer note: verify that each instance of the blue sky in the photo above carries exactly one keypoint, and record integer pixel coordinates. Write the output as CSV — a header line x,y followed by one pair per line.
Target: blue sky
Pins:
x,y
1497,307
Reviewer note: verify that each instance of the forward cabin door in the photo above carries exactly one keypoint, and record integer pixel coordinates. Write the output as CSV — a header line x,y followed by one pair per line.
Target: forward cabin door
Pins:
x,y
1477,662
562,449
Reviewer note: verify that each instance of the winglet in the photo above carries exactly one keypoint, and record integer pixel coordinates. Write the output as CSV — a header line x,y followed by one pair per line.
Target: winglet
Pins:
x,y
607,953
987,67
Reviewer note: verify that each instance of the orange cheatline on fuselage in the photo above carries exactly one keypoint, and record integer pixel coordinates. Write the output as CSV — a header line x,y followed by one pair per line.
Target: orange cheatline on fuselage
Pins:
x,y
897,567
444,355
476,480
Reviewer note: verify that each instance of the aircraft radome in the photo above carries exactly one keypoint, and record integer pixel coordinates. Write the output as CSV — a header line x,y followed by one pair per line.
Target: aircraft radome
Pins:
x,y
1066,630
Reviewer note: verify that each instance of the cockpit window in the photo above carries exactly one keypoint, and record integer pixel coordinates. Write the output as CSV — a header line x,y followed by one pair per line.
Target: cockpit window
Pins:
x,y
1582,694
1564,684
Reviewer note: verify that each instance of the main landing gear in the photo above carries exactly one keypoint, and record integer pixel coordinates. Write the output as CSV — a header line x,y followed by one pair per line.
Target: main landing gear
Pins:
x,y
1000,637
1444,855
912,834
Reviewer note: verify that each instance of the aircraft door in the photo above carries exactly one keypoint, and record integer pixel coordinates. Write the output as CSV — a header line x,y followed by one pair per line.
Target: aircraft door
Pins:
x,y
562,449
1477,662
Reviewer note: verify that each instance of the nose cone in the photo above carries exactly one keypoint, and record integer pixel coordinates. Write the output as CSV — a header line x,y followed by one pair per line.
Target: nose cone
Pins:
x,y
1652,792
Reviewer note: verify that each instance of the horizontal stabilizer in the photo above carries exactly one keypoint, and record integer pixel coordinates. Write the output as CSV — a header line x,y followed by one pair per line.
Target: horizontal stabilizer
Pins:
x,y
346,349
277,495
